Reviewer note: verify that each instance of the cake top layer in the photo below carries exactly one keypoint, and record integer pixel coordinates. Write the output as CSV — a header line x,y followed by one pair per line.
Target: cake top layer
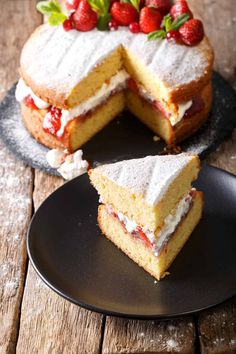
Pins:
x,y
150,176
54,59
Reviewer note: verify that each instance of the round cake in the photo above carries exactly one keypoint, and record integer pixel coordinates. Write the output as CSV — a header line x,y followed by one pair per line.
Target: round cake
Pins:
x,y
75,82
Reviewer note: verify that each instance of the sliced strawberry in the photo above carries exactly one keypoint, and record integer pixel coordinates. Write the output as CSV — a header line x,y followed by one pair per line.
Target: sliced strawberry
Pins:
x,y
143,237
181,7
84,18
29,102
132,86
150,20
192,32
124,13
163,6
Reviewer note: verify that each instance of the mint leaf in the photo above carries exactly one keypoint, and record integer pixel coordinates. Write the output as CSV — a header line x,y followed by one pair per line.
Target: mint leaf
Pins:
x,y
56,19
156,34
179,21
102,23
53,10
44,7
55,6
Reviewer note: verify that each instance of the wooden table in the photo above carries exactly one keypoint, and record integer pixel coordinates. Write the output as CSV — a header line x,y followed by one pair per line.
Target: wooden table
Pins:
x,y
33,318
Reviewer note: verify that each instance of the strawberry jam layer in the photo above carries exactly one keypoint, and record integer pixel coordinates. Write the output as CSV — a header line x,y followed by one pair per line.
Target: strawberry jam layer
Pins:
x,y
196,107
29,102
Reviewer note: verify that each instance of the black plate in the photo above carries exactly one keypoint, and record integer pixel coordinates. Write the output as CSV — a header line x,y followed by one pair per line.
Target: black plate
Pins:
x,y
123,138
68,252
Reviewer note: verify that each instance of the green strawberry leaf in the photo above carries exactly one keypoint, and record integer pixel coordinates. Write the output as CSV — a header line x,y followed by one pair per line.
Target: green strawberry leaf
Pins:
x,y
156,34
102,23
56,19
179,21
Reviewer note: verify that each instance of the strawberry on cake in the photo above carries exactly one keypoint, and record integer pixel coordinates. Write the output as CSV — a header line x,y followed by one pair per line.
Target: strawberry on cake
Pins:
x,y
82,69
149,208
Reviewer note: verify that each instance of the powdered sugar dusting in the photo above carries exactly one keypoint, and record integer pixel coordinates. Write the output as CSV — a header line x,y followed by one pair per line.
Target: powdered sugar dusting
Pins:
x,y
150,176
59,60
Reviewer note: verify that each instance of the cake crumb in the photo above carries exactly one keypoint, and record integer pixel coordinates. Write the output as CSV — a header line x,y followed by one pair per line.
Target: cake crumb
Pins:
x,y
156,138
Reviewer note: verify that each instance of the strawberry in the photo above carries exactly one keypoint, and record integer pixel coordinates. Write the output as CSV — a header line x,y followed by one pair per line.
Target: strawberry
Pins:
x,y
143,237
174,36
163,6
29,102
113,25
68,24
134,27
150,20
181,7
123,13
132,85
72,5
84,18
192,32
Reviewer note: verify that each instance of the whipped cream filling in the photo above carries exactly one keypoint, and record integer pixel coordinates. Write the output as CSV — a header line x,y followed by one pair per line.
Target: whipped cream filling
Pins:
x,y
68,165
117,82
171,222
22,91
182,107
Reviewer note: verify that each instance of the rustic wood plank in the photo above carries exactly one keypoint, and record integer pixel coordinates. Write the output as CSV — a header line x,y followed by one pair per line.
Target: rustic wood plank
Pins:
x,y
15,213
50,324
217,329
132,336
15,180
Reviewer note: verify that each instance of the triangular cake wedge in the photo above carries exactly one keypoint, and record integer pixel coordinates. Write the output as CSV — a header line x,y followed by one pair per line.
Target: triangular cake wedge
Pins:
x,y
146,189
149,208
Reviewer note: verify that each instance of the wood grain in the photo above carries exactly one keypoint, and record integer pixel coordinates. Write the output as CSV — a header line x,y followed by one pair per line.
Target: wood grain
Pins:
x,y
15,180
217,328
130,336
50,324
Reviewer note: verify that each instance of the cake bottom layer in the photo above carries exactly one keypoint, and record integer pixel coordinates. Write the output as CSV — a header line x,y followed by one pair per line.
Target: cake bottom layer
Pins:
x,y
161,125
79,130
137,250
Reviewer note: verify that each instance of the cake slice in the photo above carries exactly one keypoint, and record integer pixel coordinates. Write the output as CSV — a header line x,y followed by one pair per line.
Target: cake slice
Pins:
x,y
149,208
